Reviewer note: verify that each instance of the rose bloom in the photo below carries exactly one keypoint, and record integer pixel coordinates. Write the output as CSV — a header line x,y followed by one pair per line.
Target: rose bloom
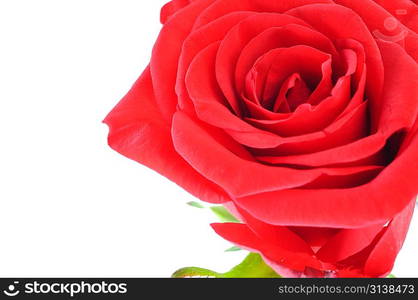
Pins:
x,y
299,116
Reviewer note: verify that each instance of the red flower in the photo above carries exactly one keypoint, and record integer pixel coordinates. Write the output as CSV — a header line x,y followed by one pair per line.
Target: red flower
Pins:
x,y
298,115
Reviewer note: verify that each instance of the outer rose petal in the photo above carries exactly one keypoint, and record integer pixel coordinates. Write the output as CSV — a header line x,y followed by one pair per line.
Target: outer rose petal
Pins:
x,y
349,154
347,242
403,10
387,195
171,8
166,53
223,7
138,131
195,42
243,236
398,106
200,147
204,153
383,256
377,20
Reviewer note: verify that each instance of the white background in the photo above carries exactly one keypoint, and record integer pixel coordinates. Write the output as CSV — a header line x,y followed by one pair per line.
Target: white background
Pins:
x,y
69,205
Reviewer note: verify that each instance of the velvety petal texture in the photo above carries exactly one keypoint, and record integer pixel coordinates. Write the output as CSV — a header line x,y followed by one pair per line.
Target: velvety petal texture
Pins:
x,y
299,116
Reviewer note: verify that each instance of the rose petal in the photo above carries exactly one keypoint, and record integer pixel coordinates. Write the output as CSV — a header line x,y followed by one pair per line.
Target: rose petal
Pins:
x,y
164,63
276,65
338,22
215,113
387,194
209,106
197,41
233,44
138,131
316,237
171,8
288,96
398,107
279,37
382,257
307,119
347,242
200,148
384,26
245,238
223,7
323,89
277,235
203,152
345,178
403,10
350,154
351,127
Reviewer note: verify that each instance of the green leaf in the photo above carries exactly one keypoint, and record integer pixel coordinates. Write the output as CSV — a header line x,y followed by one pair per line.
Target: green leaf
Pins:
x,y
391,276
233,249
195,204
194,272
223,214
252,266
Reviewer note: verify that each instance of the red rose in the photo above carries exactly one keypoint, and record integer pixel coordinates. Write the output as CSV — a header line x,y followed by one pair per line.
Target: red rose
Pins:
x,y
300,116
